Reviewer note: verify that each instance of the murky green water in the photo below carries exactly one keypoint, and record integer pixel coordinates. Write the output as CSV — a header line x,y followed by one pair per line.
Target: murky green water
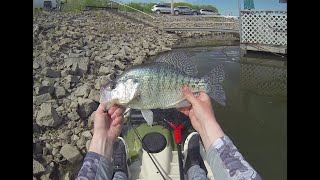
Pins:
x,y
255,116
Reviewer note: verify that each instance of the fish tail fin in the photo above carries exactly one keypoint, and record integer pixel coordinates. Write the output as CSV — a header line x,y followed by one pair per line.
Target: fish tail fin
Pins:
x,y
214,79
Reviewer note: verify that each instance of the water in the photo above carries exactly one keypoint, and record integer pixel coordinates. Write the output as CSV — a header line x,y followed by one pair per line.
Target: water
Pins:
x,y
255,115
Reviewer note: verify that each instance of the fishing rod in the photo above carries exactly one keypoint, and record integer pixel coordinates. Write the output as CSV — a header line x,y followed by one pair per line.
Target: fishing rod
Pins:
x,y
177,128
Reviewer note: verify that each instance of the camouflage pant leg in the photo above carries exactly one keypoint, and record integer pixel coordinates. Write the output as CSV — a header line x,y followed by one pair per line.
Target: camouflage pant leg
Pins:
x,y
120,176
196,173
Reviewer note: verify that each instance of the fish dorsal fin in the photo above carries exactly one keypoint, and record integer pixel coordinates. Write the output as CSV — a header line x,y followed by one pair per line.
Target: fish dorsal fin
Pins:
x,y
179,60
148,116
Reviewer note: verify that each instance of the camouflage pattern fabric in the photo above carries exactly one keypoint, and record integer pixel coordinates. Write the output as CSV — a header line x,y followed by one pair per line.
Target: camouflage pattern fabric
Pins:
x,y
226,162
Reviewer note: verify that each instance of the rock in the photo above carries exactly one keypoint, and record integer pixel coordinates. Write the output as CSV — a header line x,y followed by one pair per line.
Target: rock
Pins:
x,y
99,59
88,145
81,143
73,106
82,91
37,168
74,137
73,55
50,72
72,79
48,159
86,107
71,153
122,52
65,72
65,41
45,151
119,64
151,53
86,134
66,176
65,135
145,45
46,89
91,119
57,144
138,60
105,70
45,44
34,178
47,116
45,177
163,48
114,51
54,151
73,116
36,128
60,92
88,53
127,50
83,64
71,64
35,65
77,130
47,173
72,124
152,47
48,82
37,149
97,84
78,65
60,108
109,57
49,59
37,100
94,95
105,46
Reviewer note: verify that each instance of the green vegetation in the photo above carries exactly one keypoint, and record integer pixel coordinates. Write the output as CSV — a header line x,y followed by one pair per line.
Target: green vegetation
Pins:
x,y
78,5
36,11
73,6
197,7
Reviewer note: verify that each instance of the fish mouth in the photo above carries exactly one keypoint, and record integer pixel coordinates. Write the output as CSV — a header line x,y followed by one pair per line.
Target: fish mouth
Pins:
x,y
106,98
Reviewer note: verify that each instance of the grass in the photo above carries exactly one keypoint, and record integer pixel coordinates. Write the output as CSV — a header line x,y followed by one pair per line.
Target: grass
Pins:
x,y
79,5
37,11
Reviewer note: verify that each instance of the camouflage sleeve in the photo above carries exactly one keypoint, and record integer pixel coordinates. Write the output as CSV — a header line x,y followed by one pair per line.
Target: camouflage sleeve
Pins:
x,y
226,162
95,166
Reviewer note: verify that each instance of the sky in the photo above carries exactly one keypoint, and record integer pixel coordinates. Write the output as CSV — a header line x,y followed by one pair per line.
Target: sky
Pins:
x,y
227,7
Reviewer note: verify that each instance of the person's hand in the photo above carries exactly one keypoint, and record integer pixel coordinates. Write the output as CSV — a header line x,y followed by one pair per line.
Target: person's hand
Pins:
x,y
201,110
108,123
107,127
202,117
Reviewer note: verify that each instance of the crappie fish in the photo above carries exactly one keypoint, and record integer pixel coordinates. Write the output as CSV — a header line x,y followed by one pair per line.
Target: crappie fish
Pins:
x,y
158,85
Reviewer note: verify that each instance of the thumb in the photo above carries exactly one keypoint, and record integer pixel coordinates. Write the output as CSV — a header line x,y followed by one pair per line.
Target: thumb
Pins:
x,y
190,97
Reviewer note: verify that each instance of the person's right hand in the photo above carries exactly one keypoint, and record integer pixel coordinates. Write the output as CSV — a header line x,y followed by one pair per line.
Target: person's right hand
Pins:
x,y
201,110
202,116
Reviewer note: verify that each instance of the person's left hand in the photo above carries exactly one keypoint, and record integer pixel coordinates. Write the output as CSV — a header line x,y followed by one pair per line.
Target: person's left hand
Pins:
x,y
107,127
108,123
